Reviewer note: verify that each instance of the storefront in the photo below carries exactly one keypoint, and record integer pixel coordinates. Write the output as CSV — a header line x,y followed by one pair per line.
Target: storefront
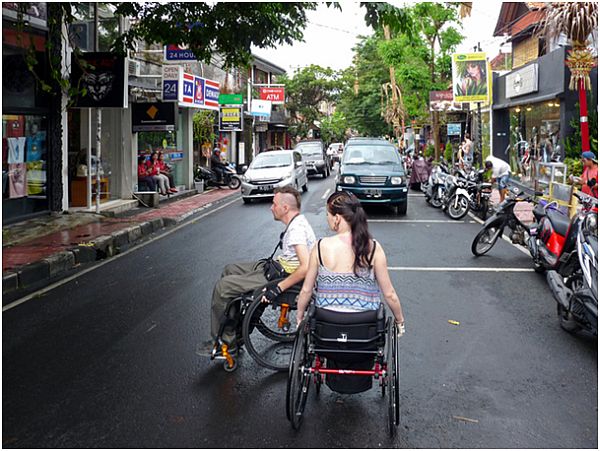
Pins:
x,y
31,156
533,109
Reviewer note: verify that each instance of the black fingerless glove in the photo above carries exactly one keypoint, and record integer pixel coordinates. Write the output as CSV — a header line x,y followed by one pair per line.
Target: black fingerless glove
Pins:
x,y
271,291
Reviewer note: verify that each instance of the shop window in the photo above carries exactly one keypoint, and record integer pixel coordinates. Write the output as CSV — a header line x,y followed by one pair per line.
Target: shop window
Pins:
x,y
535,133
24,162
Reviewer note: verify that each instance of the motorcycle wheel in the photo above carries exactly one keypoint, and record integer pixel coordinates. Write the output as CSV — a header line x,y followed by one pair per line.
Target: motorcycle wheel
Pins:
x,y
458,208
435,201
234,183
485,239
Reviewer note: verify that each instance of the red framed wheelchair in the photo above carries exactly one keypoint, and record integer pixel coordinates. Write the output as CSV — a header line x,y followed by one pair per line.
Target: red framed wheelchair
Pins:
x,y
347,352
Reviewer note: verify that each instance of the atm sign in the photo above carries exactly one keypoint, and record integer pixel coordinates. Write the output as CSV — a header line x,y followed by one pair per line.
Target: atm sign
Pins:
x,y
275,95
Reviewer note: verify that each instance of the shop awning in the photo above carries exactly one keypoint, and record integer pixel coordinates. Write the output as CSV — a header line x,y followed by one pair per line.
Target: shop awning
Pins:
x,y
519,102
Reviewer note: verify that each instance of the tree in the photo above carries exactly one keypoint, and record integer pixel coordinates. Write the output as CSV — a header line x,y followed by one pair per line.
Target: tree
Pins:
x,y
333,128
229,29
305,92
360,97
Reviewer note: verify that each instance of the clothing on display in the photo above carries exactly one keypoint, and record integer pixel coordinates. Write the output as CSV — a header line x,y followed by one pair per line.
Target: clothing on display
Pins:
x,y
35,146
36,177
17,180
16,150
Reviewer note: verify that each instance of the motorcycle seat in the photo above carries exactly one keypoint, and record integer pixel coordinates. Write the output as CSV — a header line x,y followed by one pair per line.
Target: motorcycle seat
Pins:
x,y
559,222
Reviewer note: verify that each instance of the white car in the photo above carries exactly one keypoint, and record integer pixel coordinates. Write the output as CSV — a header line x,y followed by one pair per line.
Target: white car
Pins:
x,y
274,169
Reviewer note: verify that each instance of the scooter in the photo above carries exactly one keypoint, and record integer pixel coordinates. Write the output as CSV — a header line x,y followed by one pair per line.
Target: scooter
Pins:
x,y
553,241
229,179
576,295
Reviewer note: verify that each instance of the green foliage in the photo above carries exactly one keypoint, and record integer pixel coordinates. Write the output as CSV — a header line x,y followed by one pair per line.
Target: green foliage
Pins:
x,y
305,91
360,95
229,29
448,152
429,151
333,128
574,166
203,126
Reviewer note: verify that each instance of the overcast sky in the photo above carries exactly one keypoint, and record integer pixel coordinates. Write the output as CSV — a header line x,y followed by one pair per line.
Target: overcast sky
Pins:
x,y
331,34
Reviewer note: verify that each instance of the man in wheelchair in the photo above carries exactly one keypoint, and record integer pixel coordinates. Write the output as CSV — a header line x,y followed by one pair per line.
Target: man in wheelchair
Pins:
x,y
267,278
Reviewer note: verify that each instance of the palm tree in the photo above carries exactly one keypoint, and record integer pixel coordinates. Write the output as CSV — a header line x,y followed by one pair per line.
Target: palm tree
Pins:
x,y
577,21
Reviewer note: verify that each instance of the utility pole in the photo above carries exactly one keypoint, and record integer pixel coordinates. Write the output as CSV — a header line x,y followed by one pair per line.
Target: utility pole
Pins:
x,y
98,119
479,129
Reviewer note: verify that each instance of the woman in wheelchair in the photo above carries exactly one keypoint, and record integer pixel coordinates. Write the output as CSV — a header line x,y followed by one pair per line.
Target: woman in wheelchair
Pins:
x,y
346,341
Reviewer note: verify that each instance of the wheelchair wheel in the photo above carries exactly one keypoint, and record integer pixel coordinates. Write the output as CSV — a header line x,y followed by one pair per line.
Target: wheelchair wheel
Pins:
x,y
268,331
393,378
298,378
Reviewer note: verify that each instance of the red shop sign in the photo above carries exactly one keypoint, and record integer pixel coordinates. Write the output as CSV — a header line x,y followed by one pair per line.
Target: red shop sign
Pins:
x,y
275,95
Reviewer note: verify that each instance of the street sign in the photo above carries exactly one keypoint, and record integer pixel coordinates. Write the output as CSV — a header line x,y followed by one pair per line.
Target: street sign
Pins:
x,y
231,99
231,119
275,95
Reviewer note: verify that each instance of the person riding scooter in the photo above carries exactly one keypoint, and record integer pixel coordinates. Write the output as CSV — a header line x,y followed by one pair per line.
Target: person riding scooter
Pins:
x,y
217,165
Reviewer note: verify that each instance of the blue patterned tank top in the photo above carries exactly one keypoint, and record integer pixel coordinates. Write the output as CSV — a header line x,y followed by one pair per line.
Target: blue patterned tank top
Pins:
x,y
346,291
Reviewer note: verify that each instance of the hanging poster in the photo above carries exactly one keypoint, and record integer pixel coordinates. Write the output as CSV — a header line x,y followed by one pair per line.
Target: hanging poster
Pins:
x,y
470,77
104,79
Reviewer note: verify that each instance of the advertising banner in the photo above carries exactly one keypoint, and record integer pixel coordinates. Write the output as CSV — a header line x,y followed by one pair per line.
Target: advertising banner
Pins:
x,y
231,99
443,101
260,107
176,53
106,83
198,92
275,95
170,83
231,118
470,77
152,117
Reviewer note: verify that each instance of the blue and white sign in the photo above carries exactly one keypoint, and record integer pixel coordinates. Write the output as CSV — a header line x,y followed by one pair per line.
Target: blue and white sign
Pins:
x,y
176,53
454,129
260,107
170,90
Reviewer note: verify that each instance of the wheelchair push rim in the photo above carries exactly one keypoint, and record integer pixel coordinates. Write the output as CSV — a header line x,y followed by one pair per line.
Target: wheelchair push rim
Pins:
x,y
298,382
268,331
393,379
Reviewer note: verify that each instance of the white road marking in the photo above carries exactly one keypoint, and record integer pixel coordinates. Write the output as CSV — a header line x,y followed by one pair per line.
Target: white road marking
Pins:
x,y
324,196
112,259
423,221
505,238
416,195
450,269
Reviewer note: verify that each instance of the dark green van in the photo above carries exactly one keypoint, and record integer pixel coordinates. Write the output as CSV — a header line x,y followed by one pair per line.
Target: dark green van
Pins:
x,y
372,170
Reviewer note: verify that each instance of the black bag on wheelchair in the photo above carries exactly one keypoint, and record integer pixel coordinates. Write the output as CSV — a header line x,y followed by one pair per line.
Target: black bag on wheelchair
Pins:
x,y
343,333
273,269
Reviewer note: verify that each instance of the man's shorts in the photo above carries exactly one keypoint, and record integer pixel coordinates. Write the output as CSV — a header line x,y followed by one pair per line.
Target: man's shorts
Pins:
x,y
503,181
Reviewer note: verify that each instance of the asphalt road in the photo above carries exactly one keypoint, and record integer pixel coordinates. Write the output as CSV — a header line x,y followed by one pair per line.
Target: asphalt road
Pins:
x,y
110,359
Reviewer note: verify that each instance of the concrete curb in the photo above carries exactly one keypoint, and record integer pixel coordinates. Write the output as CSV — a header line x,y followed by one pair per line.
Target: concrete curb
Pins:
x,y
100,248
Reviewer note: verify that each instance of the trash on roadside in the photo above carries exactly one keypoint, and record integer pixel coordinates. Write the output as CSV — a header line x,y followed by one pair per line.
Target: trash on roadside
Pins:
x,y
456,323
468,420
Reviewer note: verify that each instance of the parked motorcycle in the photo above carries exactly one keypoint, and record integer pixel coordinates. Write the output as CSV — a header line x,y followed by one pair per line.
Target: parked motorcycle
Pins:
x,y
230,178
576,294
435,187
553,240
503,217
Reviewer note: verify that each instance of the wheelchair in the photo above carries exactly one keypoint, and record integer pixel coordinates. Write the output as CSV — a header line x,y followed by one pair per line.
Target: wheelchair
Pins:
x,y
265,330
346,351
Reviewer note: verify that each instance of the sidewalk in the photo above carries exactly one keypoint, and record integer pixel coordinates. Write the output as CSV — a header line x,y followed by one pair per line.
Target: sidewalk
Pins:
x,y
47,248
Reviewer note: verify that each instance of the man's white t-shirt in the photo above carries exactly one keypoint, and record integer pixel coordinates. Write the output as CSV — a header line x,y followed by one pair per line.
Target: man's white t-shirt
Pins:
x,y
500,167
298,232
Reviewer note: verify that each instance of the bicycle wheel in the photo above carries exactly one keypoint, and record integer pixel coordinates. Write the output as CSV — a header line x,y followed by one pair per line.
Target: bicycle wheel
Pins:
x,y
298,382
269,332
